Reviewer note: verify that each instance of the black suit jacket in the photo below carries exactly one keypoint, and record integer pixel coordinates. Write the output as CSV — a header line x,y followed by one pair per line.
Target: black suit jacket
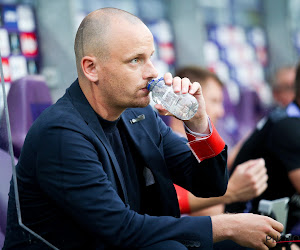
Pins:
x,y
68,179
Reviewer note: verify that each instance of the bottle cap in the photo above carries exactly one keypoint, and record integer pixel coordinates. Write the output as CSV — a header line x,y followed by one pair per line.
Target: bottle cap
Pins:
x,y
153,82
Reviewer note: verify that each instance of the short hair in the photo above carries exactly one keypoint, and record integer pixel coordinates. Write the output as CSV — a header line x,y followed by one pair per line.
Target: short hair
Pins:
x,y
92,35
198,74
297,82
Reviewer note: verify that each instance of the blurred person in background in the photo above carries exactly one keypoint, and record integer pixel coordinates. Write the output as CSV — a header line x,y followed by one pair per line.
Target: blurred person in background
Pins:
x,y
283,86
277,140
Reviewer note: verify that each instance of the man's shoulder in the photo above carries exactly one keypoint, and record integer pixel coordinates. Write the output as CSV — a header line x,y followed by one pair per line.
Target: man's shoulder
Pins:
x,y
282,118
288,126
60,114
278,114
63,107
290,113
285,133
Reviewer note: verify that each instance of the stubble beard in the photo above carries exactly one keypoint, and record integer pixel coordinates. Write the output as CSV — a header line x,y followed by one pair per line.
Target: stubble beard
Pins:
x,y
141,104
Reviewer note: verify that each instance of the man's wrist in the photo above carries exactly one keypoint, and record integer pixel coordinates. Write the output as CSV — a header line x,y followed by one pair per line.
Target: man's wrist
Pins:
x,y
229,197
208,146
222,226
197,134
202,127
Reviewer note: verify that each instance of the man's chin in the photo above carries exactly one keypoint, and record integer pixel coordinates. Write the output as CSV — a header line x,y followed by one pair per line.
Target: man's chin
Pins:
x,y
141,104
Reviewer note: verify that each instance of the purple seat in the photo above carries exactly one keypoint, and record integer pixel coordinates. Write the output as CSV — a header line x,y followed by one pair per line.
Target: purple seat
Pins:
x,y
27,99
250,110
5,177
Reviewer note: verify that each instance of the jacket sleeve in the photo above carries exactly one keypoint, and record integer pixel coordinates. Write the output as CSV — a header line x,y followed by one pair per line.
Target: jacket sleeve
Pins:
x,y
205,179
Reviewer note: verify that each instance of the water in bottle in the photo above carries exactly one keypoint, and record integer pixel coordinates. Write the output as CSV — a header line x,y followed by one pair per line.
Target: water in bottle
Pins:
x,y
183,106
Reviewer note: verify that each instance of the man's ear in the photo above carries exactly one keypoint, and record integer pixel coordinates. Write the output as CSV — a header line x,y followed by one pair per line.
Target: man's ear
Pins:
x,y
88,65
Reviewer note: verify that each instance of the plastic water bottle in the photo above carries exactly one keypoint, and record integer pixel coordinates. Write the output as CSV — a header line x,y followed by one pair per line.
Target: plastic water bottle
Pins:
x,y
183,106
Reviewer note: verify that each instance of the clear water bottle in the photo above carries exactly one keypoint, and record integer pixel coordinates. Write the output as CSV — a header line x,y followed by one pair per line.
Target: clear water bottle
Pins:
x,y
183,106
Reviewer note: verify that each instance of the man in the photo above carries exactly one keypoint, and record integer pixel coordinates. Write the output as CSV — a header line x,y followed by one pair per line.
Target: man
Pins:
x,y
97,168
250,178
276,139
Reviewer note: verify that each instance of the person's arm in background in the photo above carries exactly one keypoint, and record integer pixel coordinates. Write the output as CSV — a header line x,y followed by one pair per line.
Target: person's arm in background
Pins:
x,y
248,180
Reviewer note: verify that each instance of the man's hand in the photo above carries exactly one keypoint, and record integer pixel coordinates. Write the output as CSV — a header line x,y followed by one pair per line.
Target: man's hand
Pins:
x,y
248,181
199,123
248,230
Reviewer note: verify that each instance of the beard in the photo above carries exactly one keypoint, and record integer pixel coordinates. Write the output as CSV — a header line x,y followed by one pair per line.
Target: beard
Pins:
x,y
141,104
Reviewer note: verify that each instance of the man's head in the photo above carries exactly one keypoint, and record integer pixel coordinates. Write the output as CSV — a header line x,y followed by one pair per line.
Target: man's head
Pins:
x,y
212,89
283,86
92,36
113,49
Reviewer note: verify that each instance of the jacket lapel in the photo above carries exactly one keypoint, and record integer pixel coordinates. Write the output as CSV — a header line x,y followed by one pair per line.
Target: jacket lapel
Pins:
x,y
84,108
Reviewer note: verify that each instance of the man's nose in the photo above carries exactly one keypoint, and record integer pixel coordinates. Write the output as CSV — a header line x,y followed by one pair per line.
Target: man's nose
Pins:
x,y
150,71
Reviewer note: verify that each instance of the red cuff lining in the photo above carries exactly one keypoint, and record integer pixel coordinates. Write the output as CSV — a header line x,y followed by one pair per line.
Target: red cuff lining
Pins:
x,y
206,147
183,199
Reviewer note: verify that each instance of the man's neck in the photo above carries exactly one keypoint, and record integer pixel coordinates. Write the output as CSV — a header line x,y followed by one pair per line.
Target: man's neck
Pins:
x,y
101,108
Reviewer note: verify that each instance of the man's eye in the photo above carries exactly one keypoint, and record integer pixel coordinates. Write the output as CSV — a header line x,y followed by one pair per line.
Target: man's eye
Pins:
x,y
135,60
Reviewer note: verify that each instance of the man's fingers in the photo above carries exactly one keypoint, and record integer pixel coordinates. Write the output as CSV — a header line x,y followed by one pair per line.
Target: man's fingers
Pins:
x,y
271,239
185,85
262,188
177,84
261,176
247,164
277,226
161,110
256,166
274,234
262,179
270,242
195,87
168,78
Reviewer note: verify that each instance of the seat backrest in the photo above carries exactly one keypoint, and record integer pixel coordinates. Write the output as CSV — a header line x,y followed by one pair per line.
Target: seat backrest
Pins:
x,y
27,98
5,177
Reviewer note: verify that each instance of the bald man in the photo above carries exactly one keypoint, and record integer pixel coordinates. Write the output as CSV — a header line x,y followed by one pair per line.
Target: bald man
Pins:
x,y
97,168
